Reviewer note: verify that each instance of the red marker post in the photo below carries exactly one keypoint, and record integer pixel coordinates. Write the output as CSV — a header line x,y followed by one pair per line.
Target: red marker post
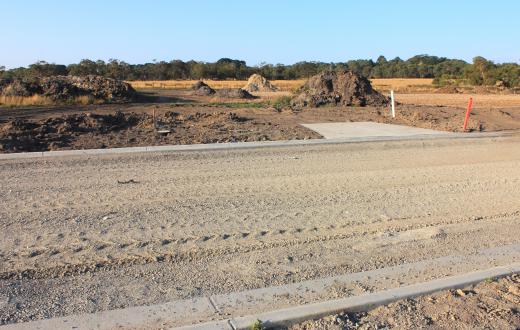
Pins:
x,y
470,104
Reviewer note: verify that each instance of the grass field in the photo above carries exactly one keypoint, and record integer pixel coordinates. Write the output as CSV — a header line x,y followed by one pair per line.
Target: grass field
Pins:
x,y
403,85
25,100
17,101
460,100
396,84
408,91
283,85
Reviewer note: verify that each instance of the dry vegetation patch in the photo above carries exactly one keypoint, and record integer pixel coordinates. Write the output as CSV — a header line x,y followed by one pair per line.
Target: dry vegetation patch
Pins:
x,y
282,85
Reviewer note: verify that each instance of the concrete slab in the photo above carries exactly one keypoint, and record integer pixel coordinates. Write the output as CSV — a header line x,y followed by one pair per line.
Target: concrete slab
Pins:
x,y
368,129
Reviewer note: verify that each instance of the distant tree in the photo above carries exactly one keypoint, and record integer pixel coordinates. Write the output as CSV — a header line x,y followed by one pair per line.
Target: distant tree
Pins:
x,y
509,74
117,69
84,67
44,69
363,67
178,70
480,72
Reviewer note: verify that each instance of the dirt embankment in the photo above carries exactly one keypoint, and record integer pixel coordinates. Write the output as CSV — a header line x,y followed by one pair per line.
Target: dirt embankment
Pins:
x,y
67,88
100,126
338,88
93,131
489,305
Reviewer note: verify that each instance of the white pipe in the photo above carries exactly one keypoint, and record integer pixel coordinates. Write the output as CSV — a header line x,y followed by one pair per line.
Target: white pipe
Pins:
x,y
393,103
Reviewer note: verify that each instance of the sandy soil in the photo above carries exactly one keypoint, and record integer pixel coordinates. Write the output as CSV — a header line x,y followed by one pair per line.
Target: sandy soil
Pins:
x,y
85,234
492,304
196,120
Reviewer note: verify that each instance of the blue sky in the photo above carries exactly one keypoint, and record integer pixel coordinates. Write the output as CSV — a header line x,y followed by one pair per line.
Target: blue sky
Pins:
x,y
270,31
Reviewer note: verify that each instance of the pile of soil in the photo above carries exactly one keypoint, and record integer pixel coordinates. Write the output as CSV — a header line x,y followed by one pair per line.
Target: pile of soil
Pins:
x,y
202,89
56,133
234,93
257,83
95,131
340,88
67,88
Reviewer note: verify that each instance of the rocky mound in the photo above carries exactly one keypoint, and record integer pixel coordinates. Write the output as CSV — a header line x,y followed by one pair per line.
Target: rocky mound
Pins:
x,y
66,88
234,93
257,83
202,89
342,88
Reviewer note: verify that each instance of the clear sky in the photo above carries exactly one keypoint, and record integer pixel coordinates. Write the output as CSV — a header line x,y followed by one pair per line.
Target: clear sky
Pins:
x,y
273,31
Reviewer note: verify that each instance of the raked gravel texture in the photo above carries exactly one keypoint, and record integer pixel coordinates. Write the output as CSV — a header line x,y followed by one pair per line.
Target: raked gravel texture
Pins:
x,y
90,233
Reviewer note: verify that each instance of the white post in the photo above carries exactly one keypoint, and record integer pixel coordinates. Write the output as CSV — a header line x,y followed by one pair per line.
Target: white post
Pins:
x,y
393,103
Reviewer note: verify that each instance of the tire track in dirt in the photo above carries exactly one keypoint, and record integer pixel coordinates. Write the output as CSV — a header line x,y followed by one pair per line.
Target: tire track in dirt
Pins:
x,y
155,250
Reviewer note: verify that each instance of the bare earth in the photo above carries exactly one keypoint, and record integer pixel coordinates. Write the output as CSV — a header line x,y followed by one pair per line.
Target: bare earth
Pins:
x,y
91,233
200,119
492,304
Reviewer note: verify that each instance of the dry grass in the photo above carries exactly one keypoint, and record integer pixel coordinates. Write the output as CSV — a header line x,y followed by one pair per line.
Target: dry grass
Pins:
x,y
461,100
16,101
398,85
403,85
283,85
25,100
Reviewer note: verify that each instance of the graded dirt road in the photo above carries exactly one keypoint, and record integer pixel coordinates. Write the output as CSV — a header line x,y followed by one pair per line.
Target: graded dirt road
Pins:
x,y
89,233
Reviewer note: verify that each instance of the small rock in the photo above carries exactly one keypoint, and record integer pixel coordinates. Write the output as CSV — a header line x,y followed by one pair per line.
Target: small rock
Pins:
x,y
461,293
514,290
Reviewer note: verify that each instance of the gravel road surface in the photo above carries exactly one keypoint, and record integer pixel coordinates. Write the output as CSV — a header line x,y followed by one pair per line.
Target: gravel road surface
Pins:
x,y
91,233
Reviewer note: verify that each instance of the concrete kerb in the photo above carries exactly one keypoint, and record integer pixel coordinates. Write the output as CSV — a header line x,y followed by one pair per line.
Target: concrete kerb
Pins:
x,y
242,145
262,299
366,302
198,309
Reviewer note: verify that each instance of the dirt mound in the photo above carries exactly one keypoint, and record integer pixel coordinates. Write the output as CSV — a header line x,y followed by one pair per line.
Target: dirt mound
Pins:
x,y
344,88
202,89
55,133
234,93
94,131
257,83
66,88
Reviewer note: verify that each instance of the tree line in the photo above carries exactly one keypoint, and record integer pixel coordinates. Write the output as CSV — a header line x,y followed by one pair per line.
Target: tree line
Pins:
x,y
444,70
